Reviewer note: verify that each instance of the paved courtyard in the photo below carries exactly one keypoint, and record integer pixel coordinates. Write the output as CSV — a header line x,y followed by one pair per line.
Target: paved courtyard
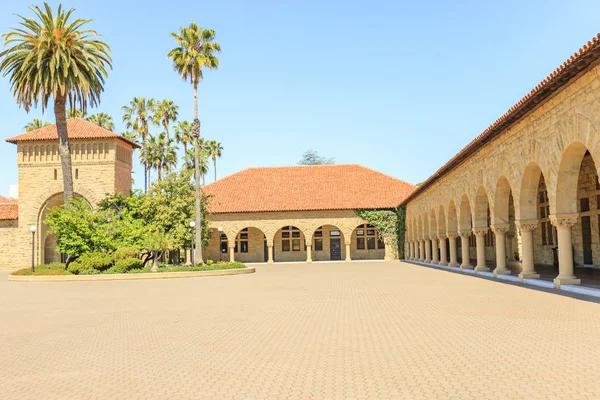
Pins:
x,y
323,331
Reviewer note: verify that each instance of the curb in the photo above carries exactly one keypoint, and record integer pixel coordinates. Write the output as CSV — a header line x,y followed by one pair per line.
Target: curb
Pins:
x,y
127,277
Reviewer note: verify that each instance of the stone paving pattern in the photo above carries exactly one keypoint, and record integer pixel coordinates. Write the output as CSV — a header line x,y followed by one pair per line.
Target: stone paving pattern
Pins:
x,y
364,330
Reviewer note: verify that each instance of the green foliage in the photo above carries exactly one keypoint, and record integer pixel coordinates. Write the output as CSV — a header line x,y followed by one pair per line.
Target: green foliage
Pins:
x,y
35,124
52,55
103,120
170,206
126,265
122,220
44,269
401,229
386,222
202,267
77,228
209,262
312,157
92,261
126,252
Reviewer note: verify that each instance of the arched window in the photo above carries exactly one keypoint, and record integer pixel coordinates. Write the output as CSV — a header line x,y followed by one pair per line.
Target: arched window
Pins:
x,y
367,238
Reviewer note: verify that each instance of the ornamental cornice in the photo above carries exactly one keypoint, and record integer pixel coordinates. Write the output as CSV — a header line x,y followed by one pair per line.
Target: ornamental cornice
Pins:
x,y
465,234
500,229
527,225
564,220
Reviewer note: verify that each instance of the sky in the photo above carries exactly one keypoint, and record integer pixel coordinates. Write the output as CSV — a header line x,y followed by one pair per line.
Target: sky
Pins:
x,y
396,86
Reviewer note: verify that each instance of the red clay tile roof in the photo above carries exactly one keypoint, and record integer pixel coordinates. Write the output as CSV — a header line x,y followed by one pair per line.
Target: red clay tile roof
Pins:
x,y
9,209
304,188
77,128
578,62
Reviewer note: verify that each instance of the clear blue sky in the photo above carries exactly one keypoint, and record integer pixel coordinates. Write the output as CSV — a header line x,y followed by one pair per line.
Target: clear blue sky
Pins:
x,y
397,86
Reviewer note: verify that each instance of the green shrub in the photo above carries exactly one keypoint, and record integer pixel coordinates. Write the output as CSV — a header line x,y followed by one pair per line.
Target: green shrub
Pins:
x,y
128,264
89,271
126,252
209,262
45,269
91,261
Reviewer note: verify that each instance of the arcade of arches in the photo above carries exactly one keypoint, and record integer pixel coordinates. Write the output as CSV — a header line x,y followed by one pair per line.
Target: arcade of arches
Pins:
x,y
526,191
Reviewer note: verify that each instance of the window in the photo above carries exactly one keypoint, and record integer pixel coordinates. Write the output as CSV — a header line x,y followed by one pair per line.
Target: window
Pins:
x,y
544,241
360,232
360,243
380,244
241,244
224,243
584,204
547,231
318,244
76,173
295,244
285,234
334,233
295,234
285,245
319,233
371,243
55,174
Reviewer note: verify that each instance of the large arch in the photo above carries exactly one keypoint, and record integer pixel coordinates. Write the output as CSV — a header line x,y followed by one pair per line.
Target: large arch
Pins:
x,y
502,197
328,244
452,218
568,177
529,192
480,215
289,244
366,243
464,222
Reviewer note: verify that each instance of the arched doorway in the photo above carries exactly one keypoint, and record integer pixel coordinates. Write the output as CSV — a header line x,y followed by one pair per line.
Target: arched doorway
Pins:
x,y
328,244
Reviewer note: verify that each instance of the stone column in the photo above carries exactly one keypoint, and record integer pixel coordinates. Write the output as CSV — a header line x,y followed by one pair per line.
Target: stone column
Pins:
x,y
510,252
526,228
348,258
443,255
434,250
500,232
389,254
464,242
232,252
308,252
480,242
427,250
270,252
566,269
453,256
421,250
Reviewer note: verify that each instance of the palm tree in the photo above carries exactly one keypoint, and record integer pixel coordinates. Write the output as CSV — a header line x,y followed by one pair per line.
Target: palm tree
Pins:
x,y
194,52
35,124
103,120
165,112
164,153
51,56
75,113
184,134
189,164
215,149
148,157
136,116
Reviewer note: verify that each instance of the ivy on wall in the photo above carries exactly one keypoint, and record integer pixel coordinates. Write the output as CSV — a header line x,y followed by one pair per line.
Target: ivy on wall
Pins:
x,y
390,224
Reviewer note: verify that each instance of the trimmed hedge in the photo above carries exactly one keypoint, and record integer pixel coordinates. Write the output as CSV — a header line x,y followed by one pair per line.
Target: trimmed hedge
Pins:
x,y
88,263
125,253
45,269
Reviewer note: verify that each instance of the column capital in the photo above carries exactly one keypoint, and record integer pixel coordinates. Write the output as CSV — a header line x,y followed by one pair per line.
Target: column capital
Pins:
x,y
564,220
441,236
527,225
465,234
500,228
452,235
480,231
433,237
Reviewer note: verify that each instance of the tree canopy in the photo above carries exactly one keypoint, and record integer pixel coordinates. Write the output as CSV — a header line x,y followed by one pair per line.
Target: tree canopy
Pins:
x,y
312,157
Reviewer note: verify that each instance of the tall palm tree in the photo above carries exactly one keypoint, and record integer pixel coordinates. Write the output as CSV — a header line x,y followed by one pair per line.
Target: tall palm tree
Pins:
x,y
164,153
194,52
52,56
136,116
103,120
189,162
148,157
215,149
165,112
184,134
35,124
75,113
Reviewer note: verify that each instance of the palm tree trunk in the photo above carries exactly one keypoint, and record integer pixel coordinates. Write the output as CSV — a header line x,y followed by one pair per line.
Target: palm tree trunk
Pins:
x,y
159,173
215,167
198,249
64,149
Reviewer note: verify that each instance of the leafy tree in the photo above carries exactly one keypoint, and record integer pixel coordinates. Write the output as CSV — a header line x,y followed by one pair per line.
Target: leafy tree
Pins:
x,y
123,220
195,52
215,149
51,56
165,112
136,116
77,229
312,157
103,120
184,134
35,124
156,242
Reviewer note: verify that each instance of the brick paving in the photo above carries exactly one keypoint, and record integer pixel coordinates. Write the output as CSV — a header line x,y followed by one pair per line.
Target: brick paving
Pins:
x,y
364,330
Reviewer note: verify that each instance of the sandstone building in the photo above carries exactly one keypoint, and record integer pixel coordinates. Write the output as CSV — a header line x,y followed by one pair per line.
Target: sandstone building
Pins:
x,y
300,213
101,165
526,189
